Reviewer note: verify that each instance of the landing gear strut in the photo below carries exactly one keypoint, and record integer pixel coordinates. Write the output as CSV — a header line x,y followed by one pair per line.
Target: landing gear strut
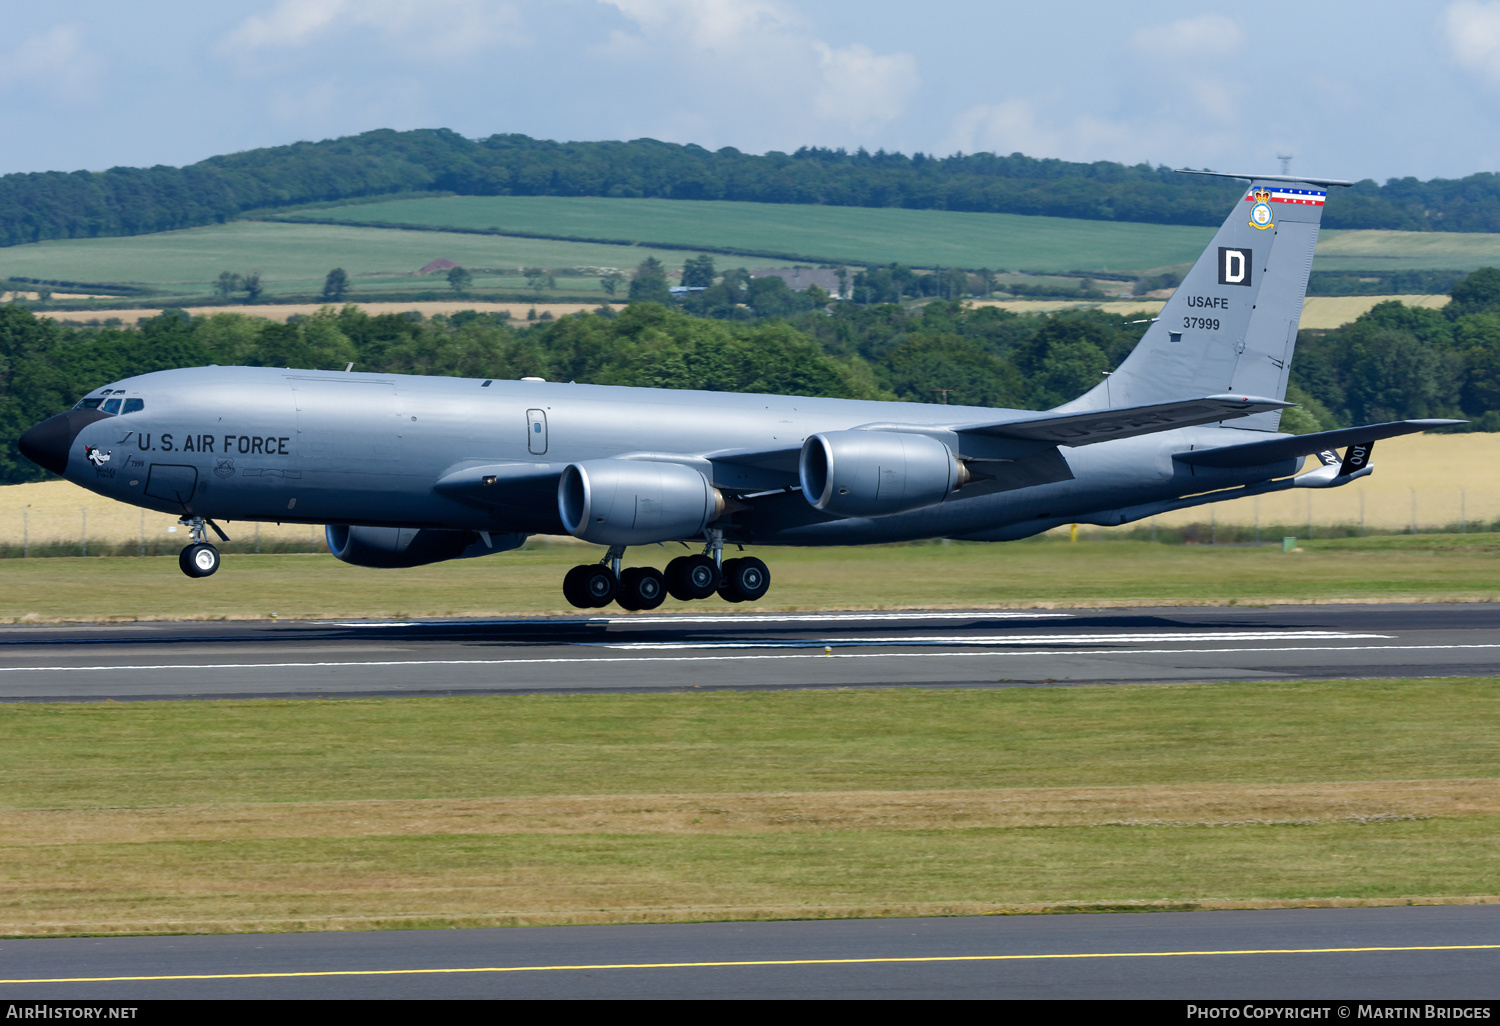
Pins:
x,y
199,558
595,585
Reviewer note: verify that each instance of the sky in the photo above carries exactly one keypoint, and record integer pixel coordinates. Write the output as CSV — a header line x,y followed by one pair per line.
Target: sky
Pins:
x,y
1376,89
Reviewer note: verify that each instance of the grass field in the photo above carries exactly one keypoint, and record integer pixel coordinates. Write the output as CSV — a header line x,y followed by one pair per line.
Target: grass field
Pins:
x,y
1385,250
922,238
1045,573
294,258
241,815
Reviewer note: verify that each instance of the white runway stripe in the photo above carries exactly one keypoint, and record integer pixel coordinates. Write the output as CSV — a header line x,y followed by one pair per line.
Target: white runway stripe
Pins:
x,y
1112,653
668,619
987,639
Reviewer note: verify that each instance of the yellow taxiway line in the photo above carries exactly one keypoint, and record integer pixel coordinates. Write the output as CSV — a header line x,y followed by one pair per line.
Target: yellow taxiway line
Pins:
x,y
757,962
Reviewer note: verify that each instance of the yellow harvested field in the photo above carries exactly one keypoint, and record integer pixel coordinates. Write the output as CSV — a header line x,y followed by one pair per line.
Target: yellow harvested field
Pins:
x,y
60,511
1321,312
1144,307
1437,472
280,312
1432,480
1318,311
1333,311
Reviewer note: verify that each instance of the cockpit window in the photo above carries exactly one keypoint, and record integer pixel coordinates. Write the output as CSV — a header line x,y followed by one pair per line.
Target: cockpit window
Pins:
x,y
88,404
111,406
132,405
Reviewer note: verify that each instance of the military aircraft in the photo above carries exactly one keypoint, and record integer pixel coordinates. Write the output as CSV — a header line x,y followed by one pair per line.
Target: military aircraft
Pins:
x,y
408,470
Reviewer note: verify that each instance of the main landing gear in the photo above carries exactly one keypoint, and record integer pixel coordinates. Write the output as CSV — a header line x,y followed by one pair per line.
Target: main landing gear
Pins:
x,y
199,558
596,585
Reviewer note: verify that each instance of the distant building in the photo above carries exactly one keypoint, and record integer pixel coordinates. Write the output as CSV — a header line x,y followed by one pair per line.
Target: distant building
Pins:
x,y
799,278
440,264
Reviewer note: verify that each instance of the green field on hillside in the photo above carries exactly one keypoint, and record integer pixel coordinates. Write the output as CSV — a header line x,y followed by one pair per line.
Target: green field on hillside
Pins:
x,y
293,259
919,238
1420,251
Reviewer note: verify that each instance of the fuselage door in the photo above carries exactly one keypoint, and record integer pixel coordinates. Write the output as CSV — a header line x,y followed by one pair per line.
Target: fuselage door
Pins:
x,y
536,432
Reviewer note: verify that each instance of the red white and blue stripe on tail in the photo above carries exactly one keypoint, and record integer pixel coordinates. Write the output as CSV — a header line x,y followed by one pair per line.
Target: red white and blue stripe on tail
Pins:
x,y
1303,197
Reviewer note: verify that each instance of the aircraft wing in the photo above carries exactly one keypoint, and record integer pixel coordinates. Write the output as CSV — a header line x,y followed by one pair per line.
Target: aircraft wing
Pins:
x,y
1286,447
1085,428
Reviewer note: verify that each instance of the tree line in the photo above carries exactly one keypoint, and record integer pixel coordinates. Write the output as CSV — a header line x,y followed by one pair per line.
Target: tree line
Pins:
x,y
133,201
1392,363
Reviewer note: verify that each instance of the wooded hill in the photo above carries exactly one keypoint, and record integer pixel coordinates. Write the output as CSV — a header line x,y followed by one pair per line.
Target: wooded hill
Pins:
x,y
134,201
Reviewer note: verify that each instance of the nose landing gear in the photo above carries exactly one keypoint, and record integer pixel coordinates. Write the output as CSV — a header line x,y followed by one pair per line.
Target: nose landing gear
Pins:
x,y
200,559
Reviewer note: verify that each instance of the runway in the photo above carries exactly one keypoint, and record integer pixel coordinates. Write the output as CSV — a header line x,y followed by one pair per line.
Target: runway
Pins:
x,y
685,651
1355,954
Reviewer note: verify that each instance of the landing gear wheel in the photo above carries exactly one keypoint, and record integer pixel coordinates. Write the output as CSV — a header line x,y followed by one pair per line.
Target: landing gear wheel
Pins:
x,y
641,587
692,577
745,580
200,560
589,586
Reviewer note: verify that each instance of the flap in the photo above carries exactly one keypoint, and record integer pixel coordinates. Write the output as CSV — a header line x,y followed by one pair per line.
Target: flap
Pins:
x,y
1075,429
1286,447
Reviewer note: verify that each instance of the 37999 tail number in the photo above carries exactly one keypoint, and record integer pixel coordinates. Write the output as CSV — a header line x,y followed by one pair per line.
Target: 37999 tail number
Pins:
x,y
1203,323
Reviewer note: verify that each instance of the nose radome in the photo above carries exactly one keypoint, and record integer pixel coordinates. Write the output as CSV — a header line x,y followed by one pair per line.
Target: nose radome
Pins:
x,y
47,443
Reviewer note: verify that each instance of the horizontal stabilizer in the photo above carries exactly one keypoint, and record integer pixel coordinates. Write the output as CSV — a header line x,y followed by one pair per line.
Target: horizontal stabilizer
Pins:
x,y
1286,447
1298,179
1105,425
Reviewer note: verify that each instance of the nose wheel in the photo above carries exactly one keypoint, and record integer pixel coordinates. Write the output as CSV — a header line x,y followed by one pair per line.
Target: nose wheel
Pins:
x,y
199,560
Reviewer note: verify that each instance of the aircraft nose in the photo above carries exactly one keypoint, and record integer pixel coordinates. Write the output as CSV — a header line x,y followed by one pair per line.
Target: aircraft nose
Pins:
x,y
47,444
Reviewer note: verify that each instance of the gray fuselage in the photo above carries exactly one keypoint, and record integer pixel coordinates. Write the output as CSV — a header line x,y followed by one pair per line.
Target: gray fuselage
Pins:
x,y
264,444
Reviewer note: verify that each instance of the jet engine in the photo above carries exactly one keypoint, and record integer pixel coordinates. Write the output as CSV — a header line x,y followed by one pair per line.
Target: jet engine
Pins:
x,y
877,473
635,502
392,547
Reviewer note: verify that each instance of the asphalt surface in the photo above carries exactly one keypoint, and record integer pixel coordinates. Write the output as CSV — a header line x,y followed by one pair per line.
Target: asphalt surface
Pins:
x,y
1431,952
624,652
1435,952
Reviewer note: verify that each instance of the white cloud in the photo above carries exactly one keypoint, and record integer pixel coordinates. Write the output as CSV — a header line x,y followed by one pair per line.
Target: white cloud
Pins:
x,y
710,24
765,53
54,62
862,87
1206,36
460,27
1473,31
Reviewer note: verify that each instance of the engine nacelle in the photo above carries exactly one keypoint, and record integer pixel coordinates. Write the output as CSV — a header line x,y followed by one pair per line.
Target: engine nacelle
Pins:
x,y
393,547
635,502
877,473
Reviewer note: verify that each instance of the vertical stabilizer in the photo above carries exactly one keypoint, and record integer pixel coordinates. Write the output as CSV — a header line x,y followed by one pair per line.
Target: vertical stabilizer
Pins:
x,y
1232,323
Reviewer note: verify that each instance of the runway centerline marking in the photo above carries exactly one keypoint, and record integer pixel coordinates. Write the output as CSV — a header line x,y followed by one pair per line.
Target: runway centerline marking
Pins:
x,y
990,639
671,618
200,667
889,960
